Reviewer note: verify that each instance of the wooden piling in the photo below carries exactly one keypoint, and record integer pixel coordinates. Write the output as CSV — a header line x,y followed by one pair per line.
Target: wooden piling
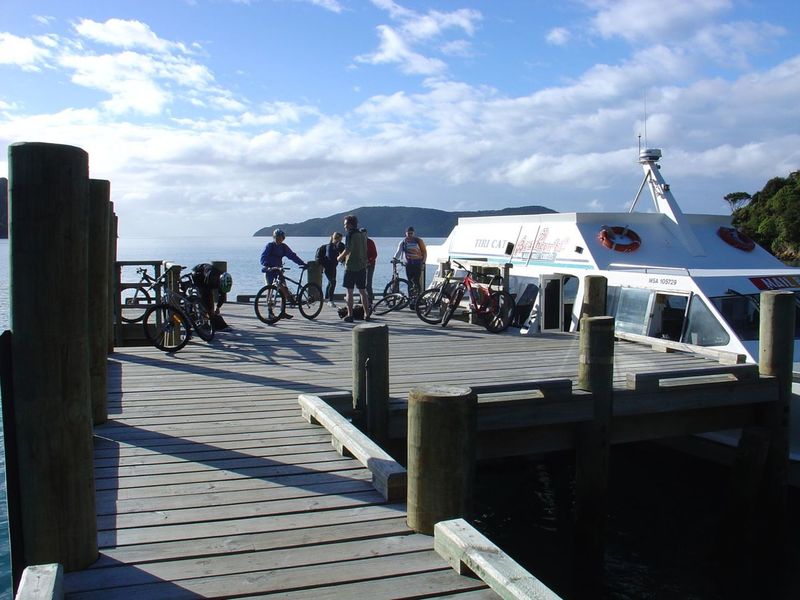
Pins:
x,y
442,424
113,284
595,374
49,306
315,273
371,380
594,296
99,276
776,351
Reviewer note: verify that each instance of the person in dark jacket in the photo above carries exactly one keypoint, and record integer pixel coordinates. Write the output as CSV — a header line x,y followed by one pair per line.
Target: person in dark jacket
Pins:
x,y
209,279
272,256
332,251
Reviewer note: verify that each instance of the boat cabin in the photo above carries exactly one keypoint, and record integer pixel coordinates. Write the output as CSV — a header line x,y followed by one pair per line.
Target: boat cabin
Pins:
x,y
688,278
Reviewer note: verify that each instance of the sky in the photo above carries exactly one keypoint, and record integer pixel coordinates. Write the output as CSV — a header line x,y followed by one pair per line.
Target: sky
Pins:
x,y
219,117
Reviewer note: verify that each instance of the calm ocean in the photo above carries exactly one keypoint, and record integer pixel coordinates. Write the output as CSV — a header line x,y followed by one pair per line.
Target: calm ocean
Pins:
x,y
242,255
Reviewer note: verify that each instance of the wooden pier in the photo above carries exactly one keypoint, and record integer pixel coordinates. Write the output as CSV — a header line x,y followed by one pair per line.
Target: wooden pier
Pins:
x,y
211,484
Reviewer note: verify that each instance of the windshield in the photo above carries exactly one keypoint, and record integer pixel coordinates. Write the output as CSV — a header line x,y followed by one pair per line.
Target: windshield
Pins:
x,y
741,312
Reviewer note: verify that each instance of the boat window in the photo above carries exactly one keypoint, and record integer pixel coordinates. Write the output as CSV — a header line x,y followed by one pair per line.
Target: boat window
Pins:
x,y
632,310
741,313
612,298
702,327
669,314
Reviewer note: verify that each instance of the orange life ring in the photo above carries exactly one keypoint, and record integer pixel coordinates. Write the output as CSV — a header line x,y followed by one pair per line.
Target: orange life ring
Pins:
x,y
620,239
736,238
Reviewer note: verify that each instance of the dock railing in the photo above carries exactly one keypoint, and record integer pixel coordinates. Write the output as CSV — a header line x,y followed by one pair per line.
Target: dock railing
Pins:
x,y
130,333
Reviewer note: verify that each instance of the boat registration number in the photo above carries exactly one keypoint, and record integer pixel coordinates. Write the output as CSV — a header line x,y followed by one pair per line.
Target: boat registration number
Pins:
x,y
663,281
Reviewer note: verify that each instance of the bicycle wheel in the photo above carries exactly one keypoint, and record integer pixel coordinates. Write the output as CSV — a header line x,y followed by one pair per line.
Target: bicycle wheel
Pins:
x,y
499,312
269,304
397,286
453,302
310,300
389,303
166,327
134,303
429,306
201,320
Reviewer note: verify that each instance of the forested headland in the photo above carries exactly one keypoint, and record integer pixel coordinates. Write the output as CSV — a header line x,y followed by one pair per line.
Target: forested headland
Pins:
x,y
771,216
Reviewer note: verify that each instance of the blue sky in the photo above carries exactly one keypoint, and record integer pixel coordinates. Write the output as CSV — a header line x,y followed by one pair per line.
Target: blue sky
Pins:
x,y
236,114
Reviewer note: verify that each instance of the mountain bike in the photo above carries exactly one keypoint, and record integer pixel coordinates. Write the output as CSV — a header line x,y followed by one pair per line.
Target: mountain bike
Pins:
x,y
494,306
270,303
400,285
390,302
168,324
137,298
434,302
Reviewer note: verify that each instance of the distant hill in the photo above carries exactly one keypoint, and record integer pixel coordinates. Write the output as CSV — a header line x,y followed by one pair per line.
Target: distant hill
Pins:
x,y
391,221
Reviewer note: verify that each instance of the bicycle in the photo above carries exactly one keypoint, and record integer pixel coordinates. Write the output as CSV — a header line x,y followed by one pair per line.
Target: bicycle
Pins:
x,y
390,302
133,307
400,285
270,303
495,307
434,302
168,324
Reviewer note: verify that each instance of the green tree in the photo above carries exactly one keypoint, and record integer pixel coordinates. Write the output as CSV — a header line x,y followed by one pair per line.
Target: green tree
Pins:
x,y
772,216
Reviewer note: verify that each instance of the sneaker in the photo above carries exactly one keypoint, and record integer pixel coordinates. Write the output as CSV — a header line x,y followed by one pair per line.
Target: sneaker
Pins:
x,y
287,316
348,319
332,304
367,314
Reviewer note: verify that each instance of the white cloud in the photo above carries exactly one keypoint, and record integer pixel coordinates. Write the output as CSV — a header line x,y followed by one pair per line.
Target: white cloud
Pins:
x,y
331,5
635,20
125,34
25,53
394,50
397,44
558,36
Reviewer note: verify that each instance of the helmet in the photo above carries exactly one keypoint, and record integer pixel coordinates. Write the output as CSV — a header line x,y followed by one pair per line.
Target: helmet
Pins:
x,y
225,283
279,233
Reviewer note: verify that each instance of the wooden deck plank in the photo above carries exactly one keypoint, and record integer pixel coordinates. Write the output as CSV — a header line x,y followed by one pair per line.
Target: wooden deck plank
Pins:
x,y
210,483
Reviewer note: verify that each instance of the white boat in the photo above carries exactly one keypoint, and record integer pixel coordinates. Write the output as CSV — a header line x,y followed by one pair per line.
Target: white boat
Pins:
x,y
687,278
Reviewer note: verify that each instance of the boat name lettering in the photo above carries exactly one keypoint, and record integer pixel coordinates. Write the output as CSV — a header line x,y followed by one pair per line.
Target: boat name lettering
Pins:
x,y
540,247
484,243
662,281
777,282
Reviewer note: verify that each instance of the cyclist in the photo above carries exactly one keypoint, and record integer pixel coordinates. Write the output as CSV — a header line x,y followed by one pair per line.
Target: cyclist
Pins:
x,y
413,250
272,256
208,278
354,258
329,261
372,258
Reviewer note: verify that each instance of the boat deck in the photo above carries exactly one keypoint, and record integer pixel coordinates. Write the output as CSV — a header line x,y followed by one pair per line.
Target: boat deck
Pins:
x,y
211,484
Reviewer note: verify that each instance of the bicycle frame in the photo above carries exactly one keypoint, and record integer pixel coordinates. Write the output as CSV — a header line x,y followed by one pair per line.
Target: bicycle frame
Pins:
x,y
283,278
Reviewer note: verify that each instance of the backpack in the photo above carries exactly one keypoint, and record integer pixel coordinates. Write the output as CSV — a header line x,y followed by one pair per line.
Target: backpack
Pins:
x,y
321,254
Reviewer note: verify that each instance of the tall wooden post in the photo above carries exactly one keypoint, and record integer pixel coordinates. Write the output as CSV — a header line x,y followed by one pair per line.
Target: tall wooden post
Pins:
x,y
442,425
776,350
99,276
49,307
594,296
595,374
113,284
371,380
315,273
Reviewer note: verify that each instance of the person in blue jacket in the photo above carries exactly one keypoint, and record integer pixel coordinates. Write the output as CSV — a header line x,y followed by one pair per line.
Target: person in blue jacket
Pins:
x,y
272,256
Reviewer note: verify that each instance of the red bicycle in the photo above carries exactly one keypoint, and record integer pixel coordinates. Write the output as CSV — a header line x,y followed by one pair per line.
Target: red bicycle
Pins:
x,y
494,306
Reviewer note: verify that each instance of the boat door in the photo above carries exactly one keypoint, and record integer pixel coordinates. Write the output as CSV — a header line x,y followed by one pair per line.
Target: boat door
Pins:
x,y
557,300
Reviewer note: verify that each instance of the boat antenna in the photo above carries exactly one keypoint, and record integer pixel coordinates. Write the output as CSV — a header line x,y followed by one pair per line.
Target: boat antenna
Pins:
x,y
645,119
